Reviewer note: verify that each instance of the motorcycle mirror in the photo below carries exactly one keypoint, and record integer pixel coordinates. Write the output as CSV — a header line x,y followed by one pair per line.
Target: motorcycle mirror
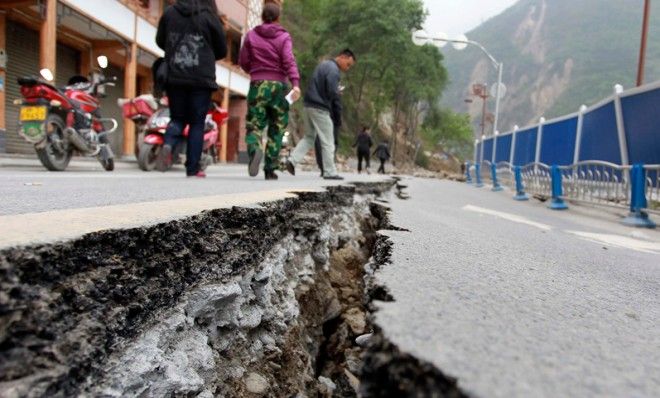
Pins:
x,y
46,74
103,61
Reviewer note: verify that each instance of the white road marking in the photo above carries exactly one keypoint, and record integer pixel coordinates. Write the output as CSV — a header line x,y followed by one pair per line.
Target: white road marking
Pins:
x,y
508,216
620,241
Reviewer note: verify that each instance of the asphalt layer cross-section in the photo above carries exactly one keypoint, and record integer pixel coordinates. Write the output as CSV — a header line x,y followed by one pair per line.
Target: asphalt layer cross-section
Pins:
x,y
26,187
516,300
43,207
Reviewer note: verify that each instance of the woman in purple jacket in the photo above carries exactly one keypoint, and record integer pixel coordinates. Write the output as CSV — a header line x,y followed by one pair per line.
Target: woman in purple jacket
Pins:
x,y
267,55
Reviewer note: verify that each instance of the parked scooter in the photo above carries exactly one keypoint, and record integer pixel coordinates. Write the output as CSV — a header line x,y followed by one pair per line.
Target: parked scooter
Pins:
x,y
139,110
154,138
59,121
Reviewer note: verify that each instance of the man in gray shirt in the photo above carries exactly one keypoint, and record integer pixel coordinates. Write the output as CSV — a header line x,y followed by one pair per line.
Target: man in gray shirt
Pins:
x,y
322,90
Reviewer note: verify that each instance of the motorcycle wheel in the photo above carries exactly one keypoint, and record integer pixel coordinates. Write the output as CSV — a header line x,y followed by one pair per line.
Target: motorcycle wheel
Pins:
x,y
56,155
138,139
106,159
214,154
148,156
205,161
108,165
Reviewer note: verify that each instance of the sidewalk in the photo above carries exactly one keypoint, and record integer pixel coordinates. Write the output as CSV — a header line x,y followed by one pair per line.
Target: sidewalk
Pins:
x,y
31,160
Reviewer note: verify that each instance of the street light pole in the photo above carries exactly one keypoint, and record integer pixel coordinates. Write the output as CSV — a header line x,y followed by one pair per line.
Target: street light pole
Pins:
x,y
420,38
500,66
642,49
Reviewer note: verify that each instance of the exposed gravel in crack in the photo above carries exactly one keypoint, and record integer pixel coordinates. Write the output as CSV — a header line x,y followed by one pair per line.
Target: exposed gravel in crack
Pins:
x,y
268,301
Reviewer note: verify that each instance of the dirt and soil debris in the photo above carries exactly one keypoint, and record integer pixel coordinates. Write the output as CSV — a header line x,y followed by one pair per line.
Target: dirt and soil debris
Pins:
x,y
245,302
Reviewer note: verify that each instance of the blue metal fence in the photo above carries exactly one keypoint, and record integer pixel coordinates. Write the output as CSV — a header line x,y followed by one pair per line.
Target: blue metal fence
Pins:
x,y
586,156
525,146
558,141
503,148
599,139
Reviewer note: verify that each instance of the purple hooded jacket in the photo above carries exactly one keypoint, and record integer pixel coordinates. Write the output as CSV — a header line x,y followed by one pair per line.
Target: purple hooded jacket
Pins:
x,y
267,54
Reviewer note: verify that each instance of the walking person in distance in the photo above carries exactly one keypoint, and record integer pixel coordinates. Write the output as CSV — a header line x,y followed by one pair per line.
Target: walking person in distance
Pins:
x,y
193,39
382,152
322,90
363,143
267,55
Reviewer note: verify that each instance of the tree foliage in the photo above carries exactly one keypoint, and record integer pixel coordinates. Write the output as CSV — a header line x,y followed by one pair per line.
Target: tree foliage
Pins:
x,y
392,76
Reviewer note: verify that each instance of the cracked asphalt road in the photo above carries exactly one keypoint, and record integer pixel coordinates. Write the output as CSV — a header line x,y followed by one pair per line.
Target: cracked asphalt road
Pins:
x,y
39,206
516,300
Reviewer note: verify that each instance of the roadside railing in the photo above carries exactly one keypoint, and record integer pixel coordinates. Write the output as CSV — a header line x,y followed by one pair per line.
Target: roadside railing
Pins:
x,y
505,174
652,179
599,183
536,179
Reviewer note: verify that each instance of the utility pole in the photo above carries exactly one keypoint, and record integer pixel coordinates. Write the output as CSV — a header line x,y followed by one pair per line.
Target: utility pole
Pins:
x,y
642,49
481,91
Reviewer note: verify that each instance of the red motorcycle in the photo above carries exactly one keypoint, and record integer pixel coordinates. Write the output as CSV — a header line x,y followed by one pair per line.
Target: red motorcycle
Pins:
x,y
139,110
59,121
154,138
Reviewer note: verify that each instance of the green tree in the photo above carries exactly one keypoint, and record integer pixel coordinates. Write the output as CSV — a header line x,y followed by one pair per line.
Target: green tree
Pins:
x,y
392,76
449,130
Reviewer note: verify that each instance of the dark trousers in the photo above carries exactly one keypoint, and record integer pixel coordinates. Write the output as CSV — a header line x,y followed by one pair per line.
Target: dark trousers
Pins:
x,y
363,155
381,169
188,106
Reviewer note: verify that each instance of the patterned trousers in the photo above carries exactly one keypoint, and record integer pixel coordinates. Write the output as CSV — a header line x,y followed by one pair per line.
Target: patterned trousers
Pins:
x,y
268,110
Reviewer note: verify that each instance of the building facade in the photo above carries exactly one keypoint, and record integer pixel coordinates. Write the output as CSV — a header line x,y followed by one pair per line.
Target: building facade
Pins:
x,y
66,36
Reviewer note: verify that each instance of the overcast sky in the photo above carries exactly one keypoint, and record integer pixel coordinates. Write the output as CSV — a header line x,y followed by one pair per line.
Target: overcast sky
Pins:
x,y
455,17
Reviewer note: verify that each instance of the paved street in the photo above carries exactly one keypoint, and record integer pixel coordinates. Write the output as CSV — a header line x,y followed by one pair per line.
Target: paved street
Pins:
x,y
36,203
510,298
514,299
28,188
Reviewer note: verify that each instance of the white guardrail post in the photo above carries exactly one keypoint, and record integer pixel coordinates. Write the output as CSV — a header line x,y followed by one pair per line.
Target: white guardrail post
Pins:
x,y
578,134
495,135
513,144
539,138
620,126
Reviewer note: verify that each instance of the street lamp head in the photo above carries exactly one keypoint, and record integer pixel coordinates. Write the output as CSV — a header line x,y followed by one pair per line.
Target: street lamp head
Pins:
x,y
441,39
460,42
420,37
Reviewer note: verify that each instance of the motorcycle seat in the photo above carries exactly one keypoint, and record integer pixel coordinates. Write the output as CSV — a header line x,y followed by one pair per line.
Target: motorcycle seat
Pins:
x,y
28,81
146,98
150,100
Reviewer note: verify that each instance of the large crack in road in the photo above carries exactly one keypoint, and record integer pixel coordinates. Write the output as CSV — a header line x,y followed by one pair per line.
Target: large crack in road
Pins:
x,y
267,301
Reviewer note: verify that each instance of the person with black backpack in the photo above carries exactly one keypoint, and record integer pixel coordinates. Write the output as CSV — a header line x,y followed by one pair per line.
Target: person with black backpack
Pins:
x,y
193,39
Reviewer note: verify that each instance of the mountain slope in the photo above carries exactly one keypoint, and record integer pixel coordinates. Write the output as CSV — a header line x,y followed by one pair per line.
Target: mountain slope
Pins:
x,y
557,55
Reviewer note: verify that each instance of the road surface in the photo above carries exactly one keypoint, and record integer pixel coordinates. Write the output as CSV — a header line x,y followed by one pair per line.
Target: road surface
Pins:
x,y
39,206
511,298
516,300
